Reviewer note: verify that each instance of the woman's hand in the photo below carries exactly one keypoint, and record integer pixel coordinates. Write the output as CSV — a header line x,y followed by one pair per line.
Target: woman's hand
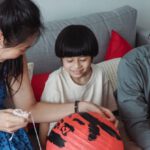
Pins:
x,y
10,122
86,106
110,116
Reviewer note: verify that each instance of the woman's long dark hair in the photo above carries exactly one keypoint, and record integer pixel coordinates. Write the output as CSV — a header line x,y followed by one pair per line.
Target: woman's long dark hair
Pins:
x,y
10,70
19,19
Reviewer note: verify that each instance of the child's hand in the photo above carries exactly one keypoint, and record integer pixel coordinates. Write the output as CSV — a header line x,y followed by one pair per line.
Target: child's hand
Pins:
x,y
110,116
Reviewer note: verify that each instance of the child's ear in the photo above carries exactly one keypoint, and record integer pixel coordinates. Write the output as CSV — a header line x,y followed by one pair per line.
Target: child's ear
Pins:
x,y
1,40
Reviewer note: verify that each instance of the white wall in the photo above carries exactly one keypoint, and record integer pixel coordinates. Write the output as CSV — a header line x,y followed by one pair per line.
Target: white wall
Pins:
x,y
62,9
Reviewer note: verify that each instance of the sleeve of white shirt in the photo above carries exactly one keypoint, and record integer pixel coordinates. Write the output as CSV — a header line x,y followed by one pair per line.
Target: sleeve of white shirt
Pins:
x,y
108,97
50,92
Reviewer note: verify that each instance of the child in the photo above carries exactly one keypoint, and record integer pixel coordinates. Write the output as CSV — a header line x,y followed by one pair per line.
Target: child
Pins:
x,y
78,78
20,25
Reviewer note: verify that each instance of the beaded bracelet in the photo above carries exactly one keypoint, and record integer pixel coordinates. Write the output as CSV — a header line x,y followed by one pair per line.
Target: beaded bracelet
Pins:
x,y
76,106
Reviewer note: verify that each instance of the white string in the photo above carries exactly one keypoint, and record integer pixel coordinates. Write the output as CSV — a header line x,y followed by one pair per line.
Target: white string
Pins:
x,y
37,137
11,137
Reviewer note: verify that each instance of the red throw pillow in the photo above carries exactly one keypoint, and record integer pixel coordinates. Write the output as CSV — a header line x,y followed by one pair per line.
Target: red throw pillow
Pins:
x,y
38,83
117,46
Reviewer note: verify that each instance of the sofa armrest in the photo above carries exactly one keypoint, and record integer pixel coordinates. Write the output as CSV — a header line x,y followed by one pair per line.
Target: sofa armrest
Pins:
x,y
142,36
109,68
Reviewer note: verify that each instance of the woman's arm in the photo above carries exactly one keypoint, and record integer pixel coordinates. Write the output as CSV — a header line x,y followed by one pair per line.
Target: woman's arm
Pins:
x,y
44,112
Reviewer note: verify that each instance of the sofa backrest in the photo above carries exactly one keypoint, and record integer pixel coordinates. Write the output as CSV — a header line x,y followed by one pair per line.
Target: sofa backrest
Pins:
x,y
122,19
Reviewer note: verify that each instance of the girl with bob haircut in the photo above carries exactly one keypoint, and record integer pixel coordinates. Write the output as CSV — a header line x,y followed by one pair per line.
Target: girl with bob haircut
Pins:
x,y
20,26
78,79
76,40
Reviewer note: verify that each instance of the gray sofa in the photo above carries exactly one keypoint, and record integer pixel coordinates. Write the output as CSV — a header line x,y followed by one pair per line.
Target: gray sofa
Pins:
x,y
123,20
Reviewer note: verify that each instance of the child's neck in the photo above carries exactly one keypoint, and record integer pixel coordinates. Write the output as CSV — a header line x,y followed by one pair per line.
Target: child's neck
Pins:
x,y
84,79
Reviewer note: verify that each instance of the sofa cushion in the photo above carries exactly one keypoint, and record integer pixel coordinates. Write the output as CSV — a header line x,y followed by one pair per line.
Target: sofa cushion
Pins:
x,y
38,83
117,46
110,67
122,19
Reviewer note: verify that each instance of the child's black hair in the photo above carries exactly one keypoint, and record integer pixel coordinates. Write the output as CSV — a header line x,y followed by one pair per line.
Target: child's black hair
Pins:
x,y
76,40
19,20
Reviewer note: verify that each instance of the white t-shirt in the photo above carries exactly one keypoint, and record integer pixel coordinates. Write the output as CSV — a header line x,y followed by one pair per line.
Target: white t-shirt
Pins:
x,y
60,88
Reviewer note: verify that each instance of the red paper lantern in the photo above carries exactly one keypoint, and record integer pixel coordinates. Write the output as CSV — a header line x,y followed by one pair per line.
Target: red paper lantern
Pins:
x,y
84,131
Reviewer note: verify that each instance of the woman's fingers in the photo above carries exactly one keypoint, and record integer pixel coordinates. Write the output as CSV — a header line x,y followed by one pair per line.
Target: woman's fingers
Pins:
x,y
10,122
108,113
110,116
104,112
12,129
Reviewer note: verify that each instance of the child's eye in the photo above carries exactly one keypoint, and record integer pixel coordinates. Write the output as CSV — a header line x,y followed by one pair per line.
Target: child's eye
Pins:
x,y
69,60
83,59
